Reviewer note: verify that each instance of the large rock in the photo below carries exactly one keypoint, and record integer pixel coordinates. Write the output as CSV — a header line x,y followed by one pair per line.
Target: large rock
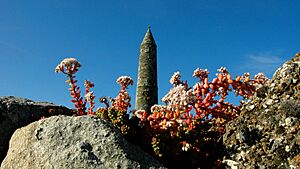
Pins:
x,y
267,134
73,142
18,112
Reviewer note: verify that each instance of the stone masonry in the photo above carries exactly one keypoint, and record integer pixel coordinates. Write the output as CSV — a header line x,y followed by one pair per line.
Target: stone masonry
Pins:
x,y
146,92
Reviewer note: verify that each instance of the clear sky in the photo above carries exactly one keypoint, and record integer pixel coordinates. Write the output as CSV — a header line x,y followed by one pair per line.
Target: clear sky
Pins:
x,y
105,36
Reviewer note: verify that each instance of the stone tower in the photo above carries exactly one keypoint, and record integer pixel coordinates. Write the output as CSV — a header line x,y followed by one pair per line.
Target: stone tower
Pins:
x,y
146,91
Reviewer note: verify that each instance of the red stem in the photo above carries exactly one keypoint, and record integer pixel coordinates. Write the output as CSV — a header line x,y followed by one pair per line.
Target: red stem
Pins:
x,y
76,95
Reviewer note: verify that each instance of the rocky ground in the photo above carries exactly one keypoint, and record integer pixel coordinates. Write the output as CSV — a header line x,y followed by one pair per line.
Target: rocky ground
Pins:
x,y
267,134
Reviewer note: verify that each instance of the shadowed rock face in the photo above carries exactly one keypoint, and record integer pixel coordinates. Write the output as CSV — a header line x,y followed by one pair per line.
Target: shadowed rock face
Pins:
x,y
18,112
146,92
267,134
73,142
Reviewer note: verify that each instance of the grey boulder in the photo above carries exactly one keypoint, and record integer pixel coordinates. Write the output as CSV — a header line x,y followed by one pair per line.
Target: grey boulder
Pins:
x,y
73,142
18,112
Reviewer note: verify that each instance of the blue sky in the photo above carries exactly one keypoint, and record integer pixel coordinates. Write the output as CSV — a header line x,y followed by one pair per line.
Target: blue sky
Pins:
x,y
105,36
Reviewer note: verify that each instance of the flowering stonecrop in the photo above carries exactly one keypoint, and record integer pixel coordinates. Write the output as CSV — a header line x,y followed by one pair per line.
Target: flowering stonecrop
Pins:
x,y
89,96
194,117
186,131
175,79
70,67
122,101
125,81
116,112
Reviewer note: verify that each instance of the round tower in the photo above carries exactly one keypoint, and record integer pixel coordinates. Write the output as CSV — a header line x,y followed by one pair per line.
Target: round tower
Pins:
x,y
146,91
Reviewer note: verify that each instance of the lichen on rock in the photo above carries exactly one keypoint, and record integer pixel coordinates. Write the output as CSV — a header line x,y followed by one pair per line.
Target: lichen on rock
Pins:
x,y
267,133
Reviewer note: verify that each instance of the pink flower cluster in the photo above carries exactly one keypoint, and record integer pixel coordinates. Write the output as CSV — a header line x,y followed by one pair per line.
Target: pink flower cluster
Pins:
x,y
178,98
260,78
122,101
175,79
125,81
207,99
69,67
89,96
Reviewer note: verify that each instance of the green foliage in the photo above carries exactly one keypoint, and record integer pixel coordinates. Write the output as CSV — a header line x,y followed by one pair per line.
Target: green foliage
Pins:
x,y
128,127
119,119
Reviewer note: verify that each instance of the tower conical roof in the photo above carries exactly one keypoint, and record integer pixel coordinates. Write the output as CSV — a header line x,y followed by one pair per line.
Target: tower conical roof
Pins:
x,y
148,38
